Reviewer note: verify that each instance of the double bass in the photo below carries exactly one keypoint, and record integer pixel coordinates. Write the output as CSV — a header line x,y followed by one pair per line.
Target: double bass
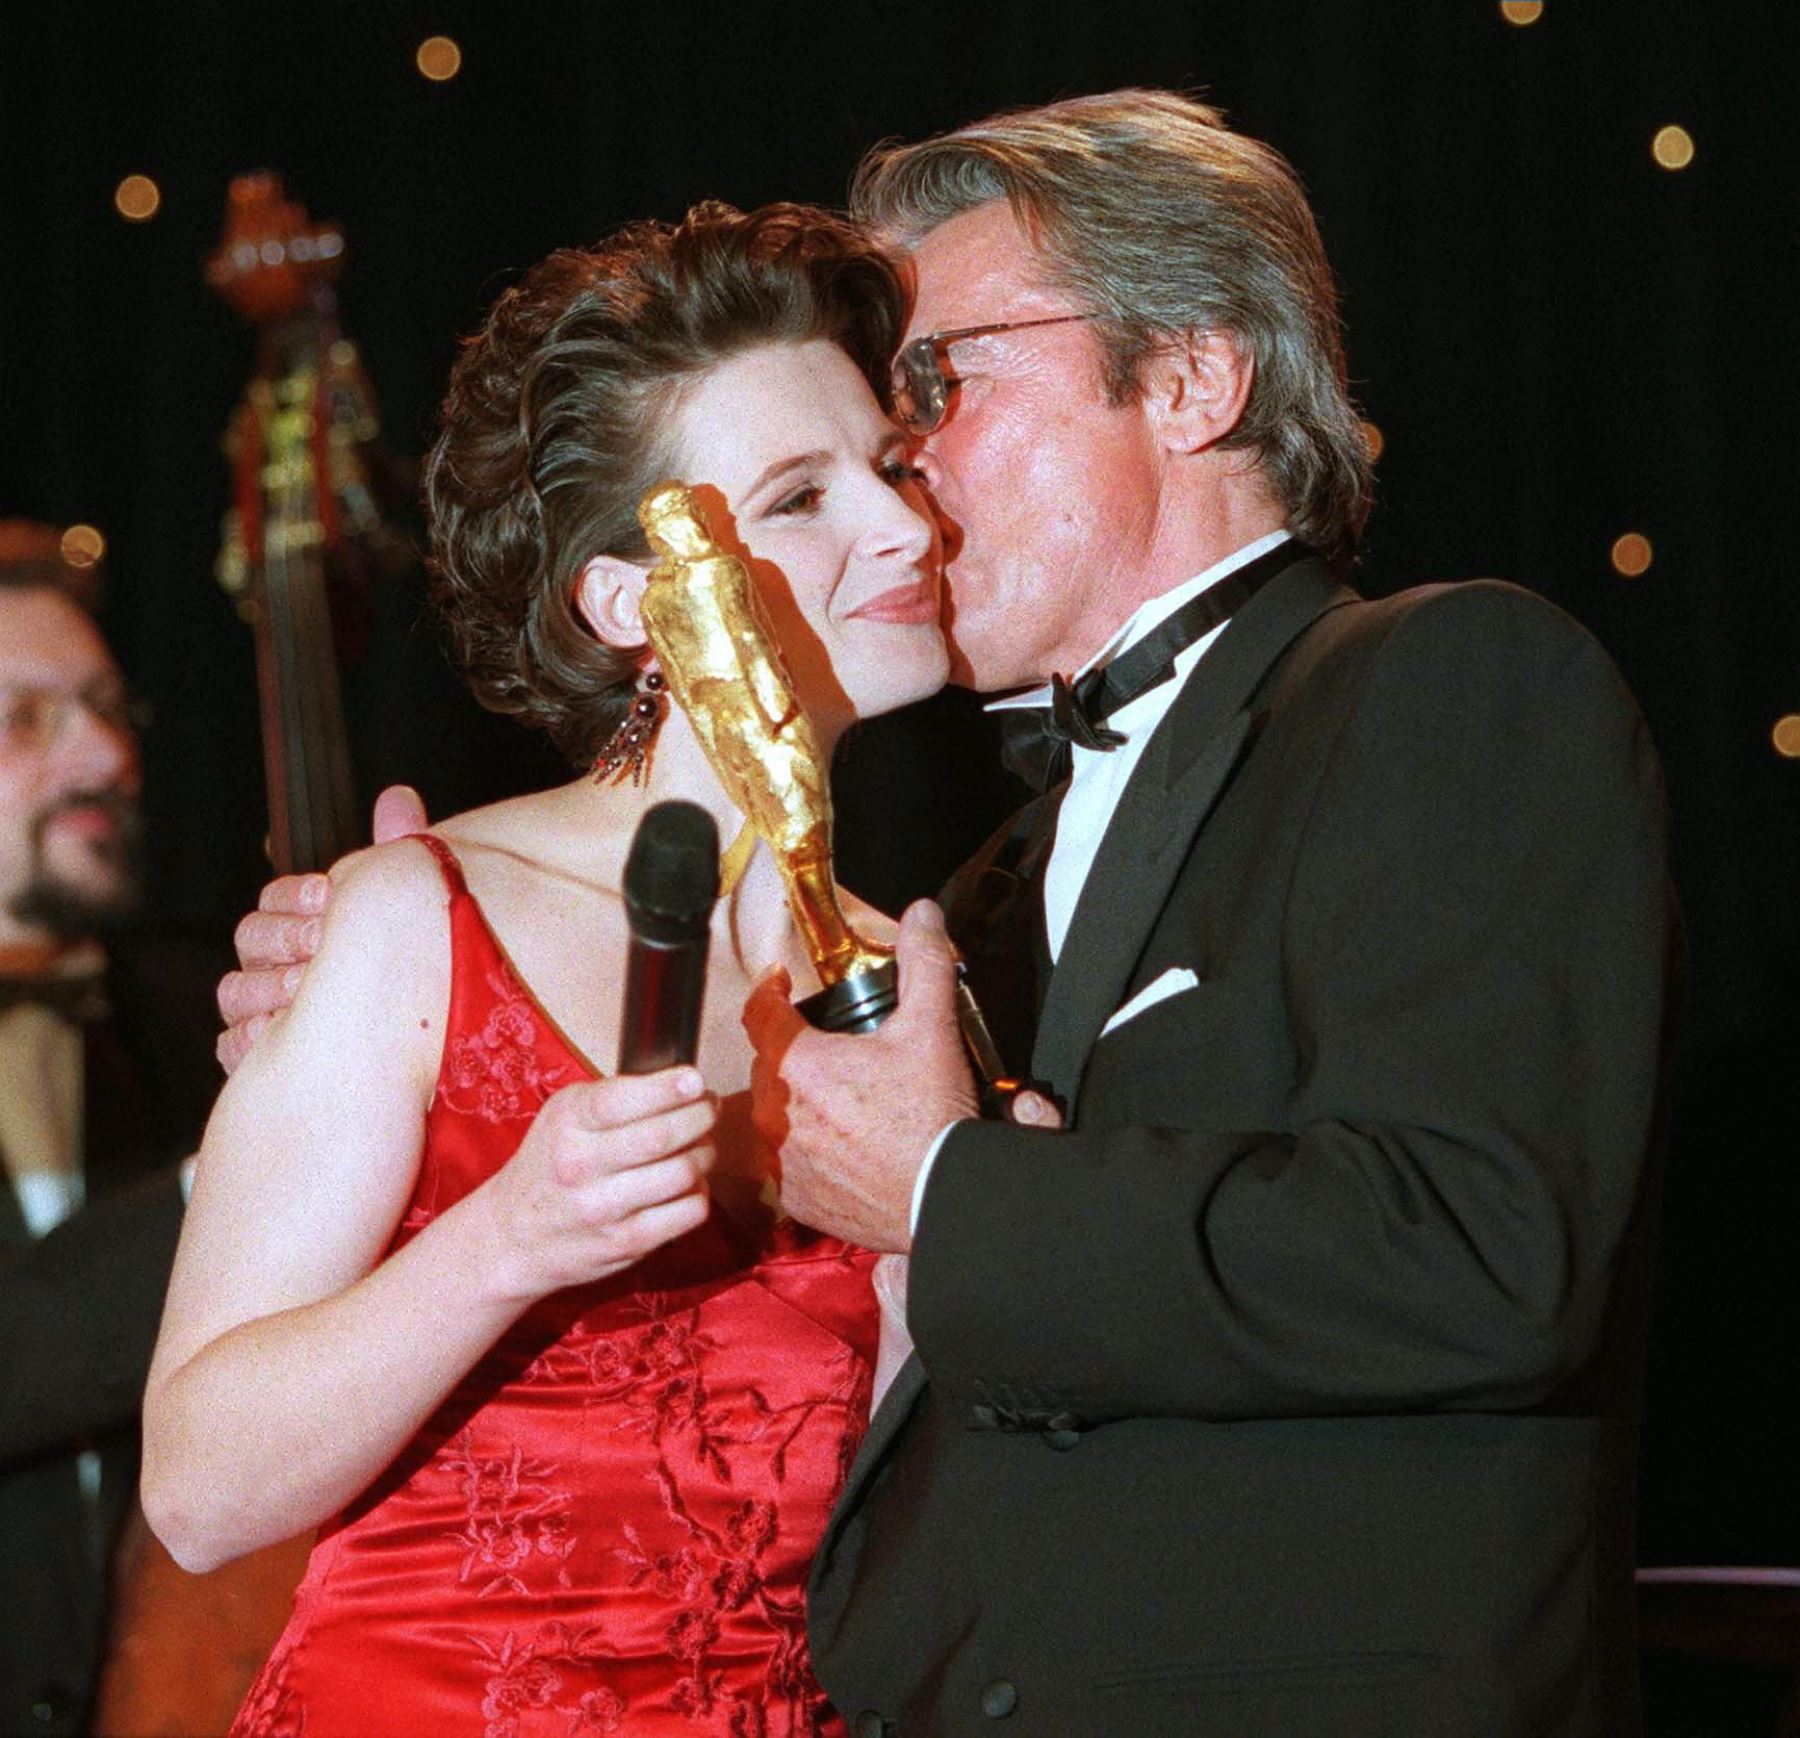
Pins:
x,y
297,552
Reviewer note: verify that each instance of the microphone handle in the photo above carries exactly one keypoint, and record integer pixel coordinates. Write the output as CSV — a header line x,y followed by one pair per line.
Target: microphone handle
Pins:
x,y
665,988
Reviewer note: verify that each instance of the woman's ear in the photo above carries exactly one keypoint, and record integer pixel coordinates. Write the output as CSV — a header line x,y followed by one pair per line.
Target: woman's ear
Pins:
x,y
608,593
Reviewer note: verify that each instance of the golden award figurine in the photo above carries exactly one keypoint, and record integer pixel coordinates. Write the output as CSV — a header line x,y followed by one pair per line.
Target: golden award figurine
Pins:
x,y
706,624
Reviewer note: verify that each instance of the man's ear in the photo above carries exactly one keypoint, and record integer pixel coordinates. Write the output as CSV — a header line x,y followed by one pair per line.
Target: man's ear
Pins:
x,y
608,593
1196,388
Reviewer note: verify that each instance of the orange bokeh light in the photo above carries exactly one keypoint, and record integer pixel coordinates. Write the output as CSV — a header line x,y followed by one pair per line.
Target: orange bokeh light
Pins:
x,y
137,198
439,58
1632,554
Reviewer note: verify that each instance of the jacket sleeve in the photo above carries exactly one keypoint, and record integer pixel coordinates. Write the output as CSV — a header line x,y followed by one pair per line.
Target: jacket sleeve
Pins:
x,y
79,1311
1474,944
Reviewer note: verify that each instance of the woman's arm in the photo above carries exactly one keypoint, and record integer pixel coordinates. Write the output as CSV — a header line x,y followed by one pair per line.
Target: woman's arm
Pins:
x,y
291,1367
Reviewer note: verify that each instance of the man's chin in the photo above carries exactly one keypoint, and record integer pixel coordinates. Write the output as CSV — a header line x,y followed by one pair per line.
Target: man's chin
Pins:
x,y
72,909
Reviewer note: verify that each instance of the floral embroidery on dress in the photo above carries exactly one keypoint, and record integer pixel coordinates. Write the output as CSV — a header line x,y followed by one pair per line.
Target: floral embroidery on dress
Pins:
x,y
720,1571
523,1676
496,1073
269,1709
512,1514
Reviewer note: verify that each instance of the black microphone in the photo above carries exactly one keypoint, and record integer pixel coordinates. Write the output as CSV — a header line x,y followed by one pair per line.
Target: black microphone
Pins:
x,y
671,886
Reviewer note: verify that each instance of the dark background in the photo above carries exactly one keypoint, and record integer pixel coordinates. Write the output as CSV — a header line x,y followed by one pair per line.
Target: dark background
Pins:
x,y
1560,341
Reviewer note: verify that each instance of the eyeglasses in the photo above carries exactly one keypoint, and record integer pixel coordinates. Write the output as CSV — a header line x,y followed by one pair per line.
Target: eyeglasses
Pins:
x,y
33,719
922,388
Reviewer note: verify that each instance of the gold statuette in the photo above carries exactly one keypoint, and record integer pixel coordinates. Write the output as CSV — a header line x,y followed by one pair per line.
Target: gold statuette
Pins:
x,y
706,624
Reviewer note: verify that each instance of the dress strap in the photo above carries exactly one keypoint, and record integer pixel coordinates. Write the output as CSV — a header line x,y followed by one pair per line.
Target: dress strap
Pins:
x,y
446,861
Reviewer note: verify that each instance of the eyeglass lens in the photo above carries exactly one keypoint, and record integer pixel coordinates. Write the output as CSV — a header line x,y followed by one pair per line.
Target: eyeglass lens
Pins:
x,y
921,390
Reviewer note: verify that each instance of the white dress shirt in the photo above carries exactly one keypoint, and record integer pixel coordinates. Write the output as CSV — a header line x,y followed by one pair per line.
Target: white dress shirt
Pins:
x,y
1098,778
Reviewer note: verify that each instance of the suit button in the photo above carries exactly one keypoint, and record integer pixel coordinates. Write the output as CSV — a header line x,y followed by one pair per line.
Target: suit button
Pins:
x,y
999,1699
869,1724
980,1418
1063,1440
1062,1430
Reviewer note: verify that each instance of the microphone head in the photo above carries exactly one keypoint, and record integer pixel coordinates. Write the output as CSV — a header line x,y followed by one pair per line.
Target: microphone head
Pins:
x,y
672,873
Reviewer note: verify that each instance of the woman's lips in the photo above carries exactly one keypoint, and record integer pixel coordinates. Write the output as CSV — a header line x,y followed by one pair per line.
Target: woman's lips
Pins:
x,y
906,605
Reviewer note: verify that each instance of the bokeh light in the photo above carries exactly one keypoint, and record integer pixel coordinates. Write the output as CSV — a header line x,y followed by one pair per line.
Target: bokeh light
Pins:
x,y
1632,554
1673,147
439,58
1374,440
138,198
82,546
1521,12
1786,736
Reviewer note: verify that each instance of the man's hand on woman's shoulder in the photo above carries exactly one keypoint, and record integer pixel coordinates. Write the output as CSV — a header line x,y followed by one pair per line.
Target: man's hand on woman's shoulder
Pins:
x,y
275,941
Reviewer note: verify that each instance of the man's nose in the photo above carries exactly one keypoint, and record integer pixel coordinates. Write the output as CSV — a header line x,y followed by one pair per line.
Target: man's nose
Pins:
x,y
102,749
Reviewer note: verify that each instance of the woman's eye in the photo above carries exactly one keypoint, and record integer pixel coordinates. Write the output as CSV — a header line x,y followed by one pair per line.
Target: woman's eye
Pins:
x,y
802,500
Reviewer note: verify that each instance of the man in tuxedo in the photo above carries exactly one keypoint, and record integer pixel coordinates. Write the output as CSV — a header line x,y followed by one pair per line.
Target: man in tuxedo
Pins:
x,y
1282,1378
104,1078
1277,1364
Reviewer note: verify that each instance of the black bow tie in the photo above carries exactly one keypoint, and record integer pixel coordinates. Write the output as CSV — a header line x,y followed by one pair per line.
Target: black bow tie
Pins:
x,y
1038,742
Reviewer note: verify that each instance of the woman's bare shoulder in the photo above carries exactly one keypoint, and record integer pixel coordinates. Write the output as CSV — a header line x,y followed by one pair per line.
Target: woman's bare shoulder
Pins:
x,y
395,892
369,1012
551,846
511,825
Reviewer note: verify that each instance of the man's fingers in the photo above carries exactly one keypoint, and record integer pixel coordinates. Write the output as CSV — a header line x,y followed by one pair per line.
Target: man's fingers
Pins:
x,y
1033,1110
265,939
399,811
295,895
234,1043
244,995
927,963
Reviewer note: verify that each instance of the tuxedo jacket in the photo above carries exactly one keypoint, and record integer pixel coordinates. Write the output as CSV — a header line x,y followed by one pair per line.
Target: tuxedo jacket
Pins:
x,y
1291,1390
78,1318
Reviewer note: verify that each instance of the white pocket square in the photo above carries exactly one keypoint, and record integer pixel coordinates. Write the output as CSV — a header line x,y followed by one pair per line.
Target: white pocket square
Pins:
x,y
1159,989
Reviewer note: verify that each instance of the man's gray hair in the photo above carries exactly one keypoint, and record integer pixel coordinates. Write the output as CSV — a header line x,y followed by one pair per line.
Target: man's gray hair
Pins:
x,y
1154,215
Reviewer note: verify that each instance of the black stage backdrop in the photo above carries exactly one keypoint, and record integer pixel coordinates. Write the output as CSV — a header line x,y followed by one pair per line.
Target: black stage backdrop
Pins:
x,y
1560,341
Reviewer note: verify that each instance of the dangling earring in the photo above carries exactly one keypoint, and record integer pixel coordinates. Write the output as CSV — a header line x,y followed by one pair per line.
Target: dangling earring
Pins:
x,y
627,750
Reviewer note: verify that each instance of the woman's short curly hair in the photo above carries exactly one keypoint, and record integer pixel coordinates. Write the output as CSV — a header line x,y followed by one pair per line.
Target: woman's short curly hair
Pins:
x,y
560,415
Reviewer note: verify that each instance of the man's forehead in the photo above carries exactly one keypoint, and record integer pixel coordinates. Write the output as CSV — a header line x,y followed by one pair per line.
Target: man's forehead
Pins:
x,y
975,269
44,637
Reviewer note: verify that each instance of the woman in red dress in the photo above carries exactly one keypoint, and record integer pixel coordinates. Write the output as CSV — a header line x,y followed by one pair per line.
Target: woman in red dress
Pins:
x,y
568,1402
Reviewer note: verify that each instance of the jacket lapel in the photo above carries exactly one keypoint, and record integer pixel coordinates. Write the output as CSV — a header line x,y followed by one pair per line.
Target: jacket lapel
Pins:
x,y
1184,770
1182,774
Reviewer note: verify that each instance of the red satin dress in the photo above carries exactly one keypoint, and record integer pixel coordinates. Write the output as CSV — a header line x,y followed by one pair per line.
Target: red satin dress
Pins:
x,y
607,1527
